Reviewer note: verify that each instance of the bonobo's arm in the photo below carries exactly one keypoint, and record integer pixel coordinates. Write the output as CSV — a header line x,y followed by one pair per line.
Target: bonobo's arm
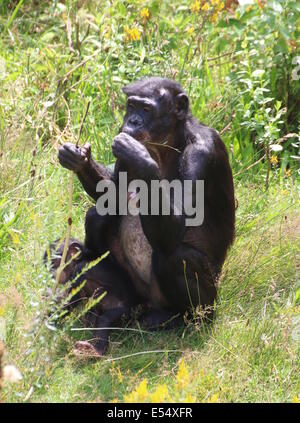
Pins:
x,y
80,161
91,174
164,232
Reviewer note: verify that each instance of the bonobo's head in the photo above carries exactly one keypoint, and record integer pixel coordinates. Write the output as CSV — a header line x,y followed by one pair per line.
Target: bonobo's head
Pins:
x,y
54,254
155,107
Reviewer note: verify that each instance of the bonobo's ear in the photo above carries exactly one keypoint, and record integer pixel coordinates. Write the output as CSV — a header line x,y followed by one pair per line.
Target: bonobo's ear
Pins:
x,y
182,106
131,89
125,90
75,250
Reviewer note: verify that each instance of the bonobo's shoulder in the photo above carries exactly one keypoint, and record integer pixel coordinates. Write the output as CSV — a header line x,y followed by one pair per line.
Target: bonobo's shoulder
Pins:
x,y
202,137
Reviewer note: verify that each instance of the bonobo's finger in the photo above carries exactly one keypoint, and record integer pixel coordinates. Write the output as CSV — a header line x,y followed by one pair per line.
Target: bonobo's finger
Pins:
x,y
118,148
66,159
130,142
86,150
71,147
127,148
71,157
127,139
123,140
70,165
67,152
123,135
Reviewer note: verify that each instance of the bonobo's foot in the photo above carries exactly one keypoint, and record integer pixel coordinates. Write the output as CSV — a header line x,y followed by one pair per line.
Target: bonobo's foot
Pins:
x,y
86,349
160,320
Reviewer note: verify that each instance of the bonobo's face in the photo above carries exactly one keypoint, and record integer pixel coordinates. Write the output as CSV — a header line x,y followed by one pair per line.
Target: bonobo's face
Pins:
x,y
155,107
149,118
72,258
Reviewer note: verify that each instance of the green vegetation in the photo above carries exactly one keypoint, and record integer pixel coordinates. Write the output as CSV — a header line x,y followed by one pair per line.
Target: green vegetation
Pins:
x,y
238,66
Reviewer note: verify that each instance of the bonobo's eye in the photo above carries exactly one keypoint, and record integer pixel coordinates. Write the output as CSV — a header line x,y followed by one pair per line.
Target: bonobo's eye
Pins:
x,y
55,262
130,106
147,109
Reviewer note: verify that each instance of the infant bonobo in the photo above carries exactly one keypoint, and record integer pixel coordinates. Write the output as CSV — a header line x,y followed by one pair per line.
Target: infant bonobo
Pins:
x,y
116,303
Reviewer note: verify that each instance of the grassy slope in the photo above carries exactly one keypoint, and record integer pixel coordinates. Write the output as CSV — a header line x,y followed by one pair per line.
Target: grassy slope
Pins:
x,y
249,354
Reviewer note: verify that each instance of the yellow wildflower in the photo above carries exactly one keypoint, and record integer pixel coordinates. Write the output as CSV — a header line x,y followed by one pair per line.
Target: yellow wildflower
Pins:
x,y
140,394
14,236
205,7
142,390
287,173
145,14
244,44
274,160
214,18
220,6
190,398
214,398
119,374
160,394
107,33
131,397
35,219
190,31
182,376
296,399
196,6
132,34
261,3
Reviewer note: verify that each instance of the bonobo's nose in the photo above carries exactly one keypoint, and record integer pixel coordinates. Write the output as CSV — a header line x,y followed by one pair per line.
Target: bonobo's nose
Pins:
x,y
135,120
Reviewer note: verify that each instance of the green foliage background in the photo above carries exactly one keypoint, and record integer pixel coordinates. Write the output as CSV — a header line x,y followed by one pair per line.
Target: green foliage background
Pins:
x,y
241,74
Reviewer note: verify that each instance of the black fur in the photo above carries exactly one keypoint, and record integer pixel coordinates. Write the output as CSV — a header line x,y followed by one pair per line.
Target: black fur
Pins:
x,y
160,139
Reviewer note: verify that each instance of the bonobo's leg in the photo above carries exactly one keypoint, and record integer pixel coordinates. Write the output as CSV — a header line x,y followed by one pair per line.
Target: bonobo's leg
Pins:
x,y
98,345
187,281
96,227
157,319
186,278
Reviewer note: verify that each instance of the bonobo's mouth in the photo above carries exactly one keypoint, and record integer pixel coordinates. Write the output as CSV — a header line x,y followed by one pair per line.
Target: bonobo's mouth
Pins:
x,y
141,136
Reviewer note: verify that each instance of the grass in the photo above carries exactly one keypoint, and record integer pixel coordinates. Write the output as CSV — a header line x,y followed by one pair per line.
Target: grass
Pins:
x,y
251,351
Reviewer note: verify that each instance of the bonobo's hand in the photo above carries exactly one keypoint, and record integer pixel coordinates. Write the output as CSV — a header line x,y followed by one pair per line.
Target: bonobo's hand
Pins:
x,y
134,153
74,158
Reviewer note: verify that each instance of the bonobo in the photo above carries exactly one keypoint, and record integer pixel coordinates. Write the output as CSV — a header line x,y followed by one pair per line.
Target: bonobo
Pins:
x,y
100,278
172,266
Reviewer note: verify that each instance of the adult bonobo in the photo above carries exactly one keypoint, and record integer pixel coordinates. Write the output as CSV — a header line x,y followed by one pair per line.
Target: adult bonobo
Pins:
x,y
173,266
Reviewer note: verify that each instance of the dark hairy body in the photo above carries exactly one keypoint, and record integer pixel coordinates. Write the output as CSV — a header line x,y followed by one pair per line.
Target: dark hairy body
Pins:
x,y
104,279
171,266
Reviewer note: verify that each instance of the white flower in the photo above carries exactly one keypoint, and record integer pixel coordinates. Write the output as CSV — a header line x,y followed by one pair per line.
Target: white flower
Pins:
x,y
11,374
